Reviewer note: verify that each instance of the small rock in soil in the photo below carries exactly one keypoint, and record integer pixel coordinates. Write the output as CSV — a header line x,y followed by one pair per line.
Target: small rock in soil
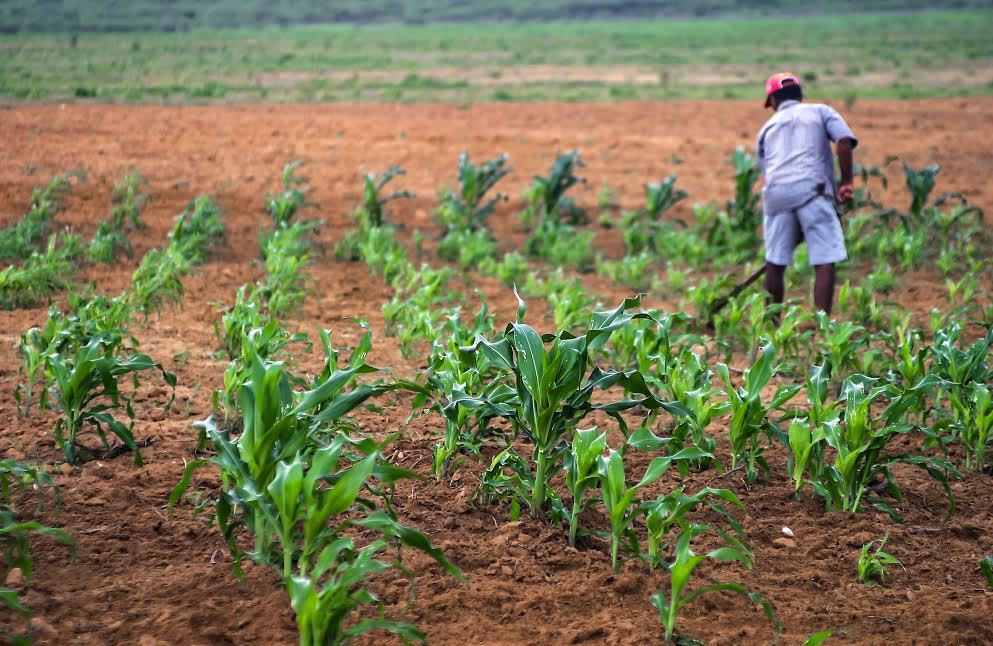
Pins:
x,y
65,469
788,532
95,501
785,542
506,570
15,577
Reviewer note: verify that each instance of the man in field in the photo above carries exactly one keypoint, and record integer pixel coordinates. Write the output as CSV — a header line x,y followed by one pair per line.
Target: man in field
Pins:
x,y
794,149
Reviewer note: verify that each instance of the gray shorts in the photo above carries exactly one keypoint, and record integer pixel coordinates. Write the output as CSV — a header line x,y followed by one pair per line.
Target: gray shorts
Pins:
x,y
815,223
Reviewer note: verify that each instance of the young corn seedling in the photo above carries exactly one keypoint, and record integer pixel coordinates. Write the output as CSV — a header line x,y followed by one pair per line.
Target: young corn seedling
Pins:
x,y
413,314
90,316
872,564
85,391
158,279
839,343
632,271
372,240
806,439
129,202
455,374
551,216
619,498
20,240
106,243
554,387
638,227
546,198
266,342
751,426
568,301
581,465
15,532
511,270
469,209
964,376
467,248
281,207
669,511
859,438
986,567
41,274
297,479
286,254
372,211
197,228
670,602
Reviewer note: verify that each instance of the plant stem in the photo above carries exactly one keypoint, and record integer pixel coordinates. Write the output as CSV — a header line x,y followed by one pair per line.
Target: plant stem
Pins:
x,y
574,519
538,491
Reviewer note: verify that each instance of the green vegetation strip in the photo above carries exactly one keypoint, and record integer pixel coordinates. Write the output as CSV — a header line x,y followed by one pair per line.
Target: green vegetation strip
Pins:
x,y
918,54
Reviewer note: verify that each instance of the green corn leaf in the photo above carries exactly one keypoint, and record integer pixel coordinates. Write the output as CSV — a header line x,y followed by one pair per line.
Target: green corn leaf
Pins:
x,y
986,566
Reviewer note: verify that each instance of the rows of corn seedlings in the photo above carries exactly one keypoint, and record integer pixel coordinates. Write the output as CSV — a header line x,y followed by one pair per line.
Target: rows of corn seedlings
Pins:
x,y
78,365
304,491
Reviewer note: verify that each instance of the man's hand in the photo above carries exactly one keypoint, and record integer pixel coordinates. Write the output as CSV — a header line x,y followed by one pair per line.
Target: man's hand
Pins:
x,y
846,192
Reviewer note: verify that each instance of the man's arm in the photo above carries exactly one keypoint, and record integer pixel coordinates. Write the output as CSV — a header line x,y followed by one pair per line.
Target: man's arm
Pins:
x,y
846,190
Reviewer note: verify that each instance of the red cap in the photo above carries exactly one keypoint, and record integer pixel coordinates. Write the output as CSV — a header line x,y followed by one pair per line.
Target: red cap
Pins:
x,y
777,82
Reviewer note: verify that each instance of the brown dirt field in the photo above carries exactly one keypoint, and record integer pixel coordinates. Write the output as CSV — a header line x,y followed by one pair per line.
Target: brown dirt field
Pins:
x,y
140,578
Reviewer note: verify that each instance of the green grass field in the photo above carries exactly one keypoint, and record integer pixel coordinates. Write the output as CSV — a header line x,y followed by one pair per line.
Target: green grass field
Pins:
x,y
903,55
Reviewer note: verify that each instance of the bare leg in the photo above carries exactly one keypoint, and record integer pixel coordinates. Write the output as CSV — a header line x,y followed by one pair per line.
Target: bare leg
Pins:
x,y
774,283
824,287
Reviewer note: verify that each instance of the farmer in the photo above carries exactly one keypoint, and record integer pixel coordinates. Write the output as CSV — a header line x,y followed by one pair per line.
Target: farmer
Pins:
x,y
794,149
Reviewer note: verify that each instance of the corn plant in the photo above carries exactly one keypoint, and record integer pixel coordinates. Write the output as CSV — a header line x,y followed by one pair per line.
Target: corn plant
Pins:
x,y
466,388
413,313
15,532
670,602
554,388
469,209
107,242
690,386
669,511
20,240
806,438
372,211
545,198
286,254
751,425
281,207
266,342
581,465
872,564
158,279
632,271
85,391
569,303
90,316
41,274
839,343
964,376
986,567
511,270
562,245
859,439
297,479
467,248
129,202
619,498
197,228
638,227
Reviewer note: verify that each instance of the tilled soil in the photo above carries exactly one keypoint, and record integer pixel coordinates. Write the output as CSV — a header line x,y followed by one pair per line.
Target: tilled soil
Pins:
x,y
139,577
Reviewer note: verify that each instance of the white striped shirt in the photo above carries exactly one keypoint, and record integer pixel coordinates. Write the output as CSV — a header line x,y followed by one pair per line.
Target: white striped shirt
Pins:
x,y
794,148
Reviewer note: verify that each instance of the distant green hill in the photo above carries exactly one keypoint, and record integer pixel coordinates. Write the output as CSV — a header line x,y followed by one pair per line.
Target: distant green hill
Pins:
x,y
24,16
